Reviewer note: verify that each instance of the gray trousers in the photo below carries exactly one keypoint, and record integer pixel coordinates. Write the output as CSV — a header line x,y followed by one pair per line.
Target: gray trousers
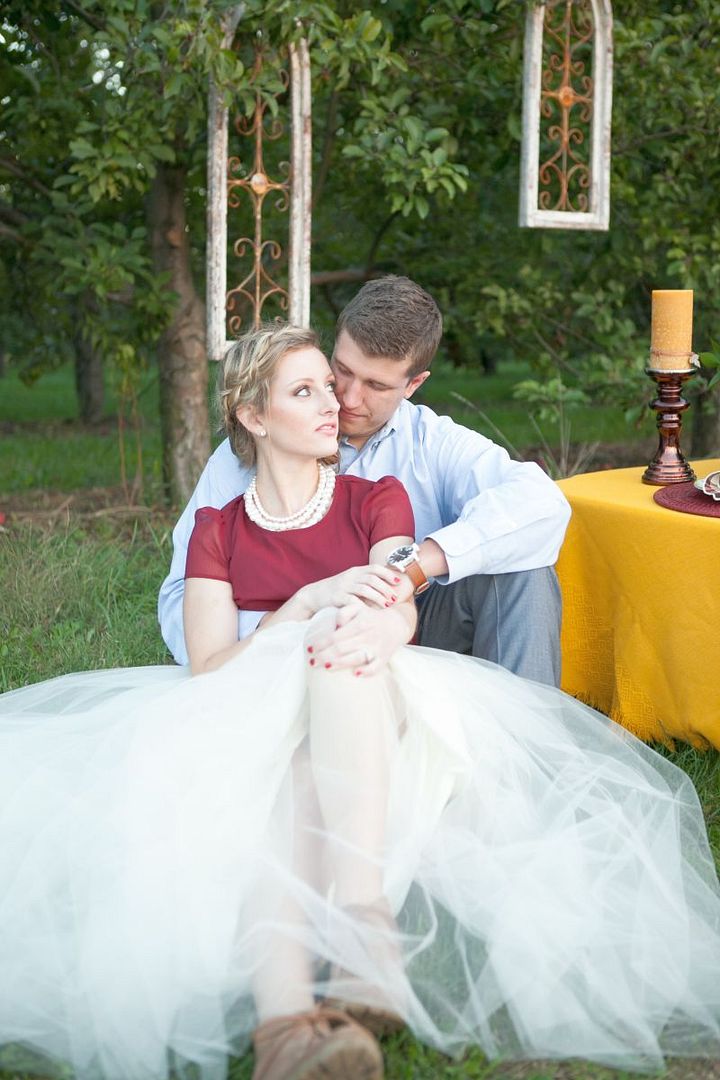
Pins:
x,y
511,619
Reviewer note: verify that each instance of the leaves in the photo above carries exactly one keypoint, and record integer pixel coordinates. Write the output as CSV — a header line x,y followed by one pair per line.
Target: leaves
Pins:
x,y
421,153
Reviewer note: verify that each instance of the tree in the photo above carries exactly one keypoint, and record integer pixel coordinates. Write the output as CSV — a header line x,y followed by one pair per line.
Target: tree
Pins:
x,y
576,305
417,129
125,85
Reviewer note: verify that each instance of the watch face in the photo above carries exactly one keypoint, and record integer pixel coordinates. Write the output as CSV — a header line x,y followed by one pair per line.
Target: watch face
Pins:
x,y
401,555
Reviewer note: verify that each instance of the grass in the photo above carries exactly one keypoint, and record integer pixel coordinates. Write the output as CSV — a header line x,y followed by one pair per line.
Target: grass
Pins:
x,y
43,446
78,591
79,597
492,394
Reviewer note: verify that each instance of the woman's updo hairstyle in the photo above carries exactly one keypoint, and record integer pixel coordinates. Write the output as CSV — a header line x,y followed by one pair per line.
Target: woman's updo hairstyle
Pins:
x,y
245,375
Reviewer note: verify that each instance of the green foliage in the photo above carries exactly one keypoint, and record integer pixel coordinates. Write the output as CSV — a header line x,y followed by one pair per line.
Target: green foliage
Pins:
x,y
416,160
100,97
711,360
574,304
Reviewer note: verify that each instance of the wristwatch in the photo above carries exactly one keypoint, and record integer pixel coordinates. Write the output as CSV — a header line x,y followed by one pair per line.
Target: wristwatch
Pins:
x,y
405,558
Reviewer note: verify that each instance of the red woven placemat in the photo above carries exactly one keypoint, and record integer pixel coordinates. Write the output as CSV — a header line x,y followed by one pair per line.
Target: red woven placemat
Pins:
x,y
687,499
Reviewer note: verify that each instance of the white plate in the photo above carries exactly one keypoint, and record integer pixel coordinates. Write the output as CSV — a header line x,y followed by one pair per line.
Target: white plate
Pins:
x,y
710,485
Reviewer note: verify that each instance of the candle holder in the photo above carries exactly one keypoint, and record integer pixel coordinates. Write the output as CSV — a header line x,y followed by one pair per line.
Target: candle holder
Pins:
x,y
668,465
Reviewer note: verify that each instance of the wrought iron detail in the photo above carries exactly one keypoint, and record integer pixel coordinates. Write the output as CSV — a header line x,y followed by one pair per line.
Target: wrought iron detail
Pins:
x,y
566,114
227,181
258,285
566,102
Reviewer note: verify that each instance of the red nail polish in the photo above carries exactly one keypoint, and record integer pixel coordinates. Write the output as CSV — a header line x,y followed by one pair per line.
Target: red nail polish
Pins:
x,y
387,604
393,598
396,580
312,662
358,672
310,648
328,665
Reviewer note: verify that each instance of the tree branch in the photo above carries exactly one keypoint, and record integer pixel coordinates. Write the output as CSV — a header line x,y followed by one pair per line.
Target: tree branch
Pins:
x,y
671,133
378,237
11,234
91,20
15,217
12,165
230,20
42,47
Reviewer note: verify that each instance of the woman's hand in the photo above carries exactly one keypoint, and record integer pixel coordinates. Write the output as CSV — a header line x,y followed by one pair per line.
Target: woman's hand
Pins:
x,y
375,585
363,638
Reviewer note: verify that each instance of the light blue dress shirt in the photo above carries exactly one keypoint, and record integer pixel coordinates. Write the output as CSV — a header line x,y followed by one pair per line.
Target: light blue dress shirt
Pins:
x,y
489,513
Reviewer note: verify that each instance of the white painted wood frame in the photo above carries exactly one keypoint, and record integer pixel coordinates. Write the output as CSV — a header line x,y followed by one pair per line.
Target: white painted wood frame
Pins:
x,y
300,240
300,197
216,211
598,214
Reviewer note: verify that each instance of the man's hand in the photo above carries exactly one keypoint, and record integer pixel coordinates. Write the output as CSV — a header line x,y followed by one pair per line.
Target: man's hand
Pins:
x,y
364,638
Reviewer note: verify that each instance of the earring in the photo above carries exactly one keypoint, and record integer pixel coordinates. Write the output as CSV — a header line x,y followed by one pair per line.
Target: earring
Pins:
x,y
262,433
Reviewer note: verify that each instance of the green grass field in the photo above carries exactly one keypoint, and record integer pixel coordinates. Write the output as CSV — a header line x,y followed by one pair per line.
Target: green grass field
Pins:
x,y
78,588
43,447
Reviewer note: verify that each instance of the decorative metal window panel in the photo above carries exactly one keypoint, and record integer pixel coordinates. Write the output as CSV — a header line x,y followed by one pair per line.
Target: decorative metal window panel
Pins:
x,y
567,105
229,181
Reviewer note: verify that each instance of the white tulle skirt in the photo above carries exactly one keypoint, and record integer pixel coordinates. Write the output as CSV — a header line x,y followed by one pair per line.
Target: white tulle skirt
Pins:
x,y
550,875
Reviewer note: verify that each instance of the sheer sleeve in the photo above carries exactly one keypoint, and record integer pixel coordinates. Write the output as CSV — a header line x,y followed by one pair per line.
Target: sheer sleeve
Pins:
x,y
387,511
207,555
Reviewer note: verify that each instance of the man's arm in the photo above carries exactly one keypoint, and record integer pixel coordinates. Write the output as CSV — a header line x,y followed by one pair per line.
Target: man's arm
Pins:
x,y
222,479
501,515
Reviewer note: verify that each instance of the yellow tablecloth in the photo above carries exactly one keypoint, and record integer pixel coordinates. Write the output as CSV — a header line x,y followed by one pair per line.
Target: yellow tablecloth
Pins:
x,y
641,608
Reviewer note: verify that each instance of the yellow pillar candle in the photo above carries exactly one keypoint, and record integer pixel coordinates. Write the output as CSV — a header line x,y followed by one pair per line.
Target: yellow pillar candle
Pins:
x,y
671,334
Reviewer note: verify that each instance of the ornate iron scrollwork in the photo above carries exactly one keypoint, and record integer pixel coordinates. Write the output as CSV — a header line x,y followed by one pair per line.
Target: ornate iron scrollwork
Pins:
x,y
258,285
566,115
229,182
566,102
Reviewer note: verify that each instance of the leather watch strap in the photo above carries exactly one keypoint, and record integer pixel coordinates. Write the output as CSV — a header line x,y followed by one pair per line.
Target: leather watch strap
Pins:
x,y
417,575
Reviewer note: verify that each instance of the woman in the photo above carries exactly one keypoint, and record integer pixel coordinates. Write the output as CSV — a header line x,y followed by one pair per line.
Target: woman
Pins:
x,y
311,845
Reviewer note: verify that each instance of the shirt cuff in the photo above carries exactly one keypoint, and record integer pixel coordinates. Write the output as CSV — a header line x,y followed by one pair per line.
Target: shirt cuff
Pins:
x,y
459,541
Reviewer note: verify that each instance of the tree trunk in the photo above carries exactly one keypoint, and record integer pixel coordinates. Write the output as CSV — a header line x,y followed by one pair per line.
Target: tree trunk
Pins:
x,y
89,383
182,354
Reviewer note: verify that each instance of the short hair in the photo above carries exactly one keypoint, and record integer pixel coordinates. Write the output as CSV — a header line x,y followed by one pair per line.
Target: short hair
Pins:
x,y
244,377
394,317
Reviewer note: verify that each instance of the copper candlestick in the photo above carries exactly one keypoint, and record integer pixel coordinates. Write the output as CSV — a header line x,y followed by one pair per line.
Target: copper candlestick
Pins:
x,y
669,466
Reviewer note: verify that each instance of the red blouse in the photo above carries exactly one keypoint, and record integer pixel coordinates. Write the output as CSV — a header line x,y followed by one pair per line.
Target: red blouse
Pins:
x,y
266,568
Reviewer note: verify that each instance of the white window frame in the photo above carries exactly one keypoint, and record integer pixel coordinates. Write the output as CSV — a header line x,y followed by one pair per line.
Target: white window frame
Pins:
x,y
300,225
598,214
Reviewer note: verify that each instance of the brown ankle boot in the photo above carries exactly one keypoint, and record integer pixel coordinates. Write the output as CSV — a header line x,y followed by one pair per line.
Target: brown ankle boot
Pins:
x,y
322,1044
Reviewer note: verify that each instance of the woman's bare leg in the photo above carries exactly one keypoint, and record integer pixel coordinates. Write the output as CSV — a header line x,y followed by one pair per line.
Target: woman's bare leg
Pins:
x,y
340,789
353,731
284,982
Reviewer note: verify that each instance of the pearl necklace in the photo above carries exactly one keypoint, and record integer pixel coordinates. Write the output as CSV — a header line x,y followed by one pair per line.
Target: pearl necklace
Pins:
x,y
309,514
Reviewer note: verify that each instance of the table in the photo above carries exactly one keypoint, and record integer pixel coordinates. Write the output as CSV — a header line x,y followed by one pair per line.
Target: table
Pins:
x,y
641,608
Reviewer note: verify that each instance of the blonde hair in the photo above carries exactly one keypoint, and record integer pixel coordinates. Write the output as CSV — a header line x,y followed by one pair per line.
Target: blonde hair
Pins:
x,y
245,375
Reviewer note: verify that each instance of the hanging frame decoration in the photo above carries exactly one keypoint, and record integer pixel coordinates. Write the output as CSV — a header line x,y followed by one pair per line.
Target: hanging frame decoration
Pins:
x,y
567,105
228,181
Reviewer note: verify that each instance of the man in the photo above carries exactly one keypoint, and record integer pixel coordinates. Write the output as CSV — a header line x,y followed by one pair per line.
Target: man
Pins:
x,y
489,528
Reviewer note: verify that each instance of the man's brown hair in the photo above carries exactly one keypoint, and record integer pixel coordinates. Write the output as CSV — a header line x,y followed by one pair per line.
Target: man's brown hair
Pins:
x,y
394,317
